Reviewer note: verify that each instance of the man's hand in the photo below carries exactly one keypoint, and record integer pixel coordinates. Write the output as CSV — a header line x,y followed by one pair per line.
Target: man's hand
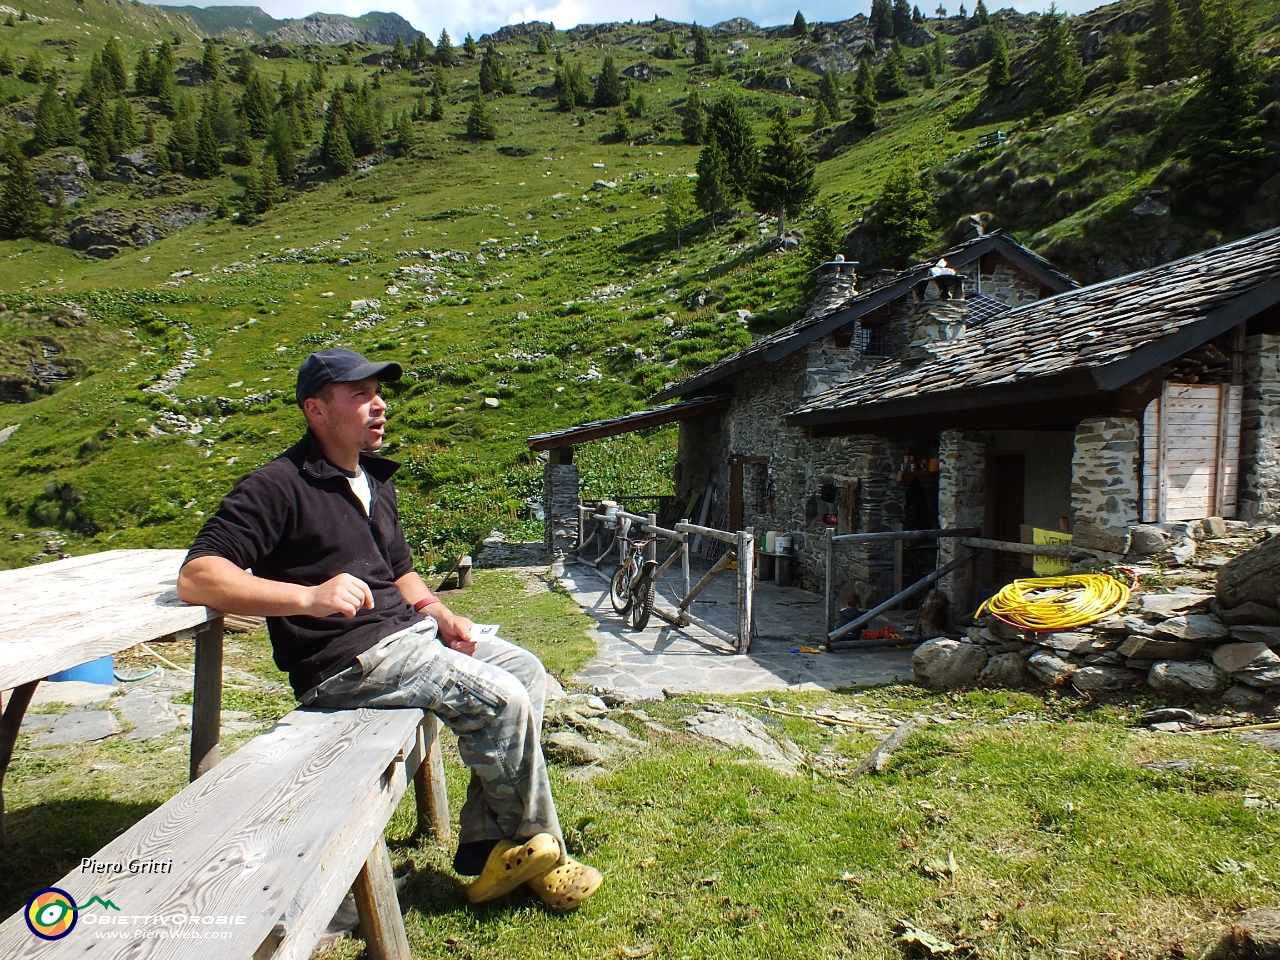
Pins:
x,y
343,594
455,631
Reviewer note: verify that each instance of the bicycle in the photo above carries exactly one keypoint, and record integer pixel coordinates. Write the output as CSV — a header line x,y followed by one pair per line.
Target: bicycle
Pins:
x,y
632,588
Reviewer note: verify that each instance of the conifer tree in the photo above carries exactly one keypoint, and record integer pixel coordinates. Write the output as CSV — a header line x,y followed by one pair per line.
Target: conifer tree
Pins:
x,y
33,70
714,191
69,129
124,129
729,128
865,106
544,43
399,54
998,67
480,121
406,139
469,47
980,15
162,83
784,182
821,116
1058,78
211,61
335,143
1117,62
317,76
799,28
440,81
7,66
268,184
96,79
113,60
281,146
829,92
207,159
901,19
621,128
891,79
565,100
490,72
437,105
420,53
242,153
48,119
679,208
610,89
362,123
255,105
937,53
693,125
20,204
906,213
58,209
823,239
1165,41
142,73
882,18
916,15
701,44
445,55
183,137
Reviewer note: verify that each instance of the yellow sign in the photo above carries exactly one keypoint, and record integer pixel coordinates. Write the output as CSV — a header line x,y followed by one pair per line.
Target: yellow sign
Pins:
x,y
1049,566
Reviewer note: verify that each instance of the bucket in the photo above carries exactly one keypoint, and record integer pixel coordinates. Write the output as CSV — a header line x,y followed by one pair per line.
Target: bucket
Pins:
x,y
782,544
95,671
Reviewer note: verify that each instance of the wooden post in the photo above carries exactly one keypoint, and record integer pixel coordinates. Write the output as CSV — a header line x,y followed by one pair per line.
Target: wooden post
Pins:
x,y
651,551
830,591
378,907
899,562
10,724
464,572
746,587
429,791
728,558
206,708
684,561
582,524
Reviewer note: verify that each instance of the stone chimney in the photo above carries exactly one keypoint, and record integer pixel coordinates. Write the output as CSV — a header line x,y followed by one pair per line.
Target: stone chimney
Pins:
x,y
837,282
938,315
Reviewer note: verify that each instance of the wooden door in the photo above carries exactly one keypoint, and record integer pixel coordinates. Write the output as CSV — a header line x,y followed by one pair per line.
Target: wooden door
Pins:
x,y
1006,505
1191,452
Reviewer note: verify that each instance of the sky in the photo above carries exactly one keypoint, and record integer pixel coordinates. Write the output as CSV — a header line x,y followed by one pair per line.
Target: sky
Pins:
x,y
482,16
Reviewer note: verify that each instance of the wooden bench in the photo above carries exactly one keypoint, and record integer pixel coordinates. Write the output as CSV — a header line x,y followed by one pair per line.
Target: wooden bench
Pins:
x,y
268,842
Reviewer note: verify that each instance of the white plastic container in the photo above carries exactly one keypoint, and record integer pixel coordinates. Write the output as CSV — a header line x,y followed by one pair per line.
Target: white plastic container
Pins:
x,y
782,543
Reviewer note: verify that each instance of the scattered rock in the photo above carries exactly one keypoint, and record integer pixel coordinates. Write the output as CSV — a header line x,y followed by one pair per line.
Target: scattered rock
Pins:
x,y
1250,633
79,726
1170,715
645,72
1255,936
1004,670
1196,627
1173,677
1184,551
1050,669
1067,642
1146,539
1254,664
1240,697
1249,613
1150,648
571,748
731,727
1105,679
1165,605
149,712
944,664
1252,576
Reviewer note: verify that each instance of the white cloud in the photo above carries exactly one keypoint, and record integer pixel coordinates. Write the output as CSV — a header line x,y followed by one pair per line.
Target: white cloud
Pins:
x,y
481,16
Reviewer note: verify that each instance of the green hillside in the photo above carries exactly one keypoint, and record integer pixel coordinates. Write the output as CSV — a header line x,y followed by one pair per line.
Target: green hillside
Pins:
x,y
213,21
151,330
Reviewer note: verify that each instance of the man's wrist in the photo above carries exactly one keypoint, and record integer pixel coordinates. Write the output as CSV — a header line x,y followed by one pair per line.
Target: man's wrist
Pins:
x,y
425,602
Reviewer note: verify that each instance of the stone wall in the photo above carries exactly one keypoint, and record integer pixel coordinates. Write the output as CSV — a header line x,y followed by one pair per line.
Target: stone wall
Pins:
x,y
1260,431
560,500
962,501
1008,284
1105,482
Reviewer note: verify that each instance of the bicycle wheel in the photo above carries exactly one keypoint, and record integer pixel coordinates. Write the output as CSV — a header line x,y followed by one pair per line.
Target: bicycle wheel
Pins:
x,y
619,593
642,601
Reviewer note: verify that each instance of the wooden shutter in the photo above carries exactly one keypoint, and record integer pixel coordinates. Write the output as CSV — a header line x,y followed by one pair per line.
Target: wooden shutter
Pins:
x,y
1191,452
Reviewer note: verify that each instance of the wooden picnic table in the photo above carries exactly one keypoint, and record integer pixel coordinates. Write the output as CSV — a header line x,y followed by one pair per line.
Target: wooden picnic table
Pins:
x,y
61,614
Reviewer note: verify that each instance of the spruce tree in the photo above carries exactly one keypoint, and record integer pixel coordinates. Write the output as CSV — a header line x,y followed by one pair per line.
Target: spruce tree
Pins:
x,y
1058,79
701,44
270,184
882,18
937,53
445,55
142,73
823,239
255,105
714,191
420,53
124,129
335,144
211,62
20,204
799,28
693,125
679,208
242,153
362,123
916,15
621,128
980,16
1117,62
1165,41
906,214
829,92
113,60
784,181
207,159
281,145
729,128
544,44
437,105
399,53
406,139
183,137
163,87
998,67
7,66
490,72
33,70
891,78
1224,133
252,196
865,106
480,121
48,120
440,81
469,47
901,19
69,129
821,116
610,88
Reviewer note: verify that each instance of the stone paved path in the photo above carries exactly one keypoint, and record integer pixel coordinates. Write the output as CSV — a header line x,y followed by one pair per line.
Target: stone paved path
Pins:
x,y
688,660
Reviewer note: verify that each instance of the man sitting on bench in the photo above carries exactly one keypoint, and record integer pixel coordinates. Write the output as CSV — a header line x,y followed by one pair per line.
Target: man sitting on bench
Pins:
x,y
355,626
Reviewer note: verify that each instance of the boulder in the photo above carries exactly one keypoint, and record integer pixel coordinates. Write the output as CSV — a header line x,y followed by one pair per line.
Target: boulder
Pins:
x,y
1091,536
734,728
1214,527
1250,633
1185,679
1127,625
1196,627
1254,664
1164,605
944,664
1255,936
1252,576
1147,539
1150,648
1004,670
1184,551
645,72
1105,679
1066,642
1049,669
1249,613
565,746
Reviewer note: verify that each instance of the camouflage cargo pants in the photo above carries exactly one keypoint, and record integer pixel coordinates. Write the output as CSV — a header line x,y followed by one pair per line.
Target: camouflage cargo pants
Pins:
x,y
493,701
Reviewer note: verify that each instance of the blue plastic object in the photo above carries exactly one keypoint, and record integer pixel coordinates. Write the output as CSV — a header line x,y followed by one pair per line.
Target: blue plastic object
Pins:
x,y
96,671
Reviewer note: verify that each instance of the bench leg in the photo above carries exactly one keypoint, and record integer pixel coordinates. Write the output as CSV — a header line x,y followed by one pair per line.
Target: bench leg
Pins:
x,y
10,724
379,907
429,789
206,709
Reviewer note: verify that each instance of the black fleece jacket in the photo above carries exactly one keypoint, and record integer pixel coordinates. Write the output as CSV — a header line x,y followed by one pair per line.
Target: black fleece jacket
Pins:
x,y
297,520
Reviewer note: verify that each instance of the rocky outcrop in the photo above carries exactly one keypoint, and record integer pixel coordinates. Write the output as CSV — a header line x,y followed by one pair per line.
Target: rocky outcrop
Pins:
x,y
645,72
67,172
375,27
104,233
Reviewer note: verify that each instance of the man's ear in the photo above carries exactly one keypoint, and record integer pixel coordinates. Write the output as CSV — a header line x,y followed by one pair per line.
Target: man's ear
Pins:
x,y
313,411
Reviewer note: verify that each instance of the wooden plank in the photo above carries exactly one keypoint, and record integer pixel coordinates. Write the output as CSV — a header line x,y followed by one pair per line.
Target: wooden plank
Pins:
x,y
1151,462
381,924
62,614
905,535
259,831
722,535
206,703
1162,491
1231,454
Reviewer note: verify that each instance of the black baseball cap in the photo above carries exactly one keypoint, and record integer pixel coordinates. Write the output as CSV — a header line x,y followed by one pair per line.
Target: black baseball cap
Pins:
x,y
339,365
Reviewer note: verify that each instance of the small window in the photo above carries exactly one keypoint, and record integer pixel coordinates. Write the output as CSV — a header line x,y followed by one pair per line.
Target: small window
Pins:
x,y
875,341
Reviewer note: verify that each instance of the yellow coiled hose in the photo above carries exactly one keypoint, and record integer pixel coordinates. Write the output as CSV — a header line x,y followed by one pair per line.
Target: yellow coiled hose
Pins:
x,y
1058,603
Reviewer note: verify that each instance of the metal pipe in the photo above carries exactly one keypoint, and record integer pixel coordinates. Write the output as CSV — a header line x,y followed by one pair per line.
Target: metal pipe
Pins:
x,y
897,598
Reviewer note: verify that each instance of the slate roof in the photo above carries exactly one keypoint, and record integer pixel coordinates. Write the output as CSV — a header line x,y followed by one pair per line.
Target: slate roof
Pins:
x,y
784,342
1087,341
627,423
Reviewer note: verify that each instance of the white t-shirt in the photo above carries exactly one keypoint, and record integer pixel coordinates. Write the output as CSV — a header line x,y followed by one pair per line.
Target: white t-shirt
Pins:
x,y
360,487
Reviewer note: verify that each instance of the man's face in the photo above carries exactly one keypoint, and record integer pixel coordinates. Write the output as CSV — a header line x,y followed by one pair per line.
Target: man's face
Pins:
x,y
352,417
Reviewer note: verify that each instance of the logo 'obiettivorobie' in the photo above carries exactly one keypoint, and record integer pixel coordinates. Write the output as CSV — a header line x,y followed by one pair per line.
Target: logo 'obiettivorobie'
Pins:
x,y
51,913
